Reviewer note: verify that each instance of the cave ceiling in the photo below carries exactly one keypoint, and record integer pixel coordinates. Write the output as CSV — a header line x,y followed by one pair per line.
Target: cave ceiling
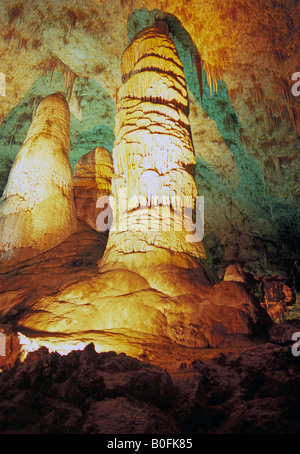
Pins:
x,y
239,58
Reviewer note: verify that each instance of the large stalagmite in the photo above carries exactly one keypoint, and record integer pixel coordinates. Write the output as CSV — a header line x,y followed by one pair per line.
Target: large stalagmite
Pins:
x,y
37,208
153,186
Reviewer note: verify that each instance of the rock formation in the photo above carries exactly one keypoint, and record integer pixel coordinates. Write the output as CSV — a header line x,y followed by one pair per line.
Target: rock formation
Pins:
x,y
92,180
278,297
153,185
234,273
37,208
243,116
158,304
247,391
150,287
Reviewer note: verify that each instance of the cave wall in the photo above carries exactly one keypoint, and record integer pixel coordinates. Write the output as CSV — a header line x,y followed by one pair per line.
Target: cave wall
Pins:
x,y
238,59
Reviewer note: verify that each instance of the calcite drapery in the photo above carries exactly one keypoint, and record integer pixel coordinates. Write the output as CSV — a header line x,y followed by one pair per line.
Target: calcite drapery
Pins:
x,y
37,208
92,181
153,185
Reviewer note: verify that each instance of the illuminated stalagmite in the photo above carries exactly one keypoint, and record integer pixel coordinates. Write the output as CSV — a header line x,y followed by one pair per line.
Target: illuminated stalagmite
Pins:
x,y
153,186
92,181
37,208
150,287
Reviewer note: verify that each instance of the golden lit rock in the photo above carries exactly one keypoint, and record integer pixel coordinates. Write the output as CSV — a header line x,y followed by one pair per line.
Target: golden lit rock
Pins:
x,y
37,208
234,273
150,287
240,63
92,180
153,152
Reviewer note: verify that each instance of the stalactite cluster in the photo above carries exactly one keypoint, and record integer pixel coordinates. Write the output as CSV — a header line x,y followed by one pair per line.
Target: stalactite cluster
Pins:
x,y
50,64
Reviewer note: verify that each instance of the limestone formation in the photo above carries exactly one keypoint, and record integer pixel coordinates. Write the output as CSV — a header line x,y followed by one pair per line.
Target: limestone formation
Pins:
x,y
92,181
153,185
37,208
149,288
234,273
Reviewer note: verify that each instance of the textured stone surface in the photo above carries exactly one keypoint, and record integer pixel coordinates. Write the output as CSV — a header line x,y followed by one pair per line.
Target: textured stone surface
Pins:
x,y
234,273
243,133
92,180
248,391
86,393
153,152
129,305
237,60
37,209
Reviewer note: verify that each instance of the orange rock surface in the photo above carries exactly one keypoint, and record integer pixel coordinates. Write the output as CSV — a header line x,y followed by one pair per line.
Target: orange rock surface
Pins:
x,y
92,180
149,287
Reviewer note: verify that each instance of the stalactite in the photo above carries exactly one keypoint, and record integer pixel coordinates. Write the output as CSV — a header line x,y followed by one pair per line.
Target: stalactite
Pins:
x,y
246,141
50,64
278,169
22,44
277,296
11,33
256,93
73,16
281,110
69,82
15,12
213,76
199,73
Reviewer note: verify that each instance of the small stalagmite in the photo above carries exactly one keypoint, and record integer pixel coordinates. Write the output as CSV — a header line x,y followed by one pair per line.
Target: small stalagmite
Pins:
x,y
234,273
37,208
153,186
92,182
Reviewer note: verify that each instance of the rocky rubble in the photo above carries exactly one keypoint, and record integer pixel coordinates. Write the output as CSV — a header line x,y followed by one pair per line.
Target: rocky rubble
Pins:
x,y
84,392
